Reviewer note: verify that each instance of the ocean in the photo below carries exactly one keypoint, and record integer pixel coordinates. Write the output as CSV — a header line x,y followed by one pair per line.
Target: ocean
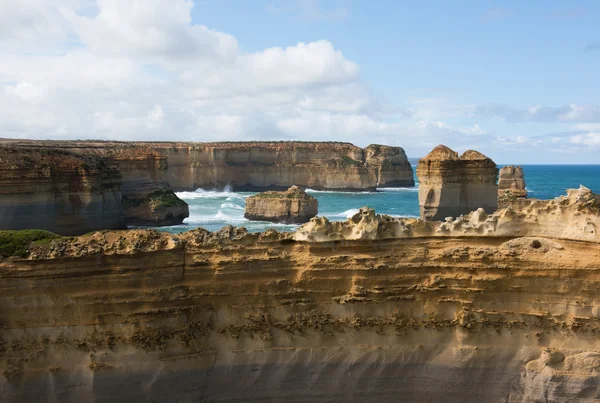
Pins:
x,y
212,209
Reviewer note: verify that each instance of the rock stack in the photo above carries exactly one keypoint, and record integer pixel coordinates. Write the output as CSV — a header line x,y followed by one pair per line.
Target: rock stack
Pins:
x,y
293,206
511,182
450,186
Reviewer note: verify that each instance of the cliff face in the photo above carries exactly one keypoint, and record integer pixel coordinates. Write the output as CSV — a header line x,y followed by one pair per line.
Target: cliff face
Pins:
x,y
293,206
511,182
137,171
450,185
279,165
487,309
58,191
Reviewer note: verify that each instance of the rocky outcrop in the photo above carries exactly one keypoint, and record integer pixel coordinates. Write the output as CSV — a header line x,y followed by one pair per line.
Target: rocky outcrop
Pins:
x,y
159,208
511,182
480,310
293,206
259,166
575,216
137,181
58,191
450,185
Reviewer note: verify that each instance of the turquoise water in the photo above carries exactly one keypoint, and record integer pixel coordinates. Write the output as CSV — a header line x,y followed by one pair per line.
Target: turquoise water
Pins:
x,y
214,209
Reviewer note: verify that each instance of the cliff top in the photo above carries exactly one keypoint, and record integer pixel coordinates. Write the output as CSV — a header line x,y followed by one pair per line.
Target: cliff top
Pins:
x,y
441,153
472,155
294,192
124,145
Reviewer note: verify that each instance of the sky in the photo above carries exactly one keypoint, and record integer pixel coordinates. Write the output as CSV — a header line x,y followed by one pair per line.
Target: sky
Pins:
x,y
518,81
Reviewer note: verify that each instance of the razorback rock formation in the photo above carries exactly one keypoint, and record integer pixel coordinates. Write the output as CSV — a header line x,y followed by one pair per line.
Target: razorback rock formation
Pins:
x,y
259,166
484,308
73,187
511,182
55,190
294,206
450,185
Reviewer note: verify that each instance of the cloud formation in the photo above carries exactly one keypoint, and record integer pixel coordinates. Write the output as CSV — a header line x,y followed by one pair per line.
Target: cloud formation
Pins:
x,y
143,70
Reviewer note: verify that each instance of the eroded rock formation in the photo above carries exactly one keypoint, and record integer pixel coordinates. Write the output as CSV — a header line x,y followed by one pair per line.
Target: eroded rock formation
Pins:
x,y
73,187
259,166
450,185
511,182
294,206
484,308
55,190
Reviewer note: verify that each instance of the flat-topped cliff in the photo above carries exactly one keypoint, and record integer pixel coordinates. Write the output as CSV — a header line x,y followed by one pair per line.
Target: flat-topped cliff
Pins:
x,y
73,187
484,308
259,166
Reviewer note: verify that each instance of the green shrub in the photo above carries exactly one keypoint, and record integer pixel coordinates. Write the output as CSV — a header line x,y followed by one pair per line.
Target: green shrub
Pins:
x,y
16,243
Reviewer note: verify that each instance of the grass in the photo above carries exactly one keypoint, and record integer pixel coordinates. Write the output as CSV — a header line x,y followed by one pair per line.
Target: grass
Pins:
x,y
17,243
347,161
164,198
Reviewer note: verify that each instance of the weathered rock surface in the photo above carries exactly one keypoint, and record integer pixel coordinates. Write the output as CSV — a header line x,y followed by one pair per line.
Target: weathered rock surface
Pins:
x,y
294,206
74,197
58,191
511,182
450,186
575,216
486,308
258,166
159,208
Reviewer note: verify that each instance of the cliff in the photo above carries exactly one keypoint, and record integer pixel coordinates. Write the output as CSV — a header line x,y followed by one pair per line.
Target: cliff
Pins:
x,y
258,166
483,308
450,185
293,206
55,190
511,182
136,185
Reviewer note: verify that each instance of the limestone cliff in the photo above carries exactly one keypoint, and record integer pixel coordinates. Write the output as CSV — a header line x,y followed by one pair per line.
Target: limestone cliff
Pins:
x,y
450,185
293,206
484,308
137,171
59,191
511,182
259,166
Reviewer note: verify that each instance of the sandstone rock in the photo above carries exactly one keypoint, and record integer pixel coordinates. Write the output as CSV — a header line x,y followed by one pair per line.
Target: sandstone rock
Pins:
x,y
467,310
58,191
511,182
294,206
259,166
575,216
450,185
159,208
137,174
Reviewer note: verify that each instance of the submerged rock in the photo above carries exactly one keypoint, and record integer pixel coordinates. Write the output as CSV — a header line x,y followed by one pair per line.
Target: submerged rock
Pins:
x,y
293,206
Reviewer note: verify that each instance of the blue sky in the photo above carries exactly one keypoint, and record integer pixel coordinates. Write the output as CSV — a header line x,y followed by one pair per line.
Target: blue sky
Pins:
x,y
516,80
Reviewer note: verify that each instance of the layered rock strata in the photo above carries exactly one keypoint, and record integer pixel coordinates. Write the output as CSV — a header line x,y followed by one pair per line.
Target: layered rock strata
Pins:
x,y
485,308
135,194
511,182
259,166
450,185
55,190
294,206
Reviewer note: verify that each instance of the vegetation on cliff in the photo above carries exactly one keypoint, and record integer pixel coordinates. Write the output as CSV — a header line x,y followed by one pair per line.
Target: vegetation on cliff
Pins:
x,y
17,243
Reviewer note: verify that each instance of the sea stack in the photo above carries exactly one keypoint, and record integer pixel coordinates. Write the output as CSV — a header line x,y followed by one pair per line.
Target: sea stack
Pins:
x,y
511,182
450,186
294,206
